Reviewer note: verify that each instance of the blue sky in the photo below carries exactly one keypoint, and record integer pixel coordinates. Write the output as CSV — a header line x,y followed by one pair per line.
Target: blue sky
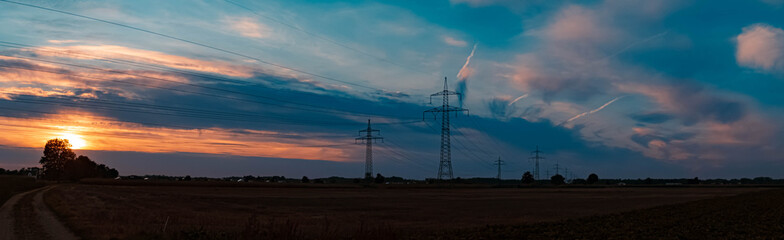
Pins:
x,y
621,88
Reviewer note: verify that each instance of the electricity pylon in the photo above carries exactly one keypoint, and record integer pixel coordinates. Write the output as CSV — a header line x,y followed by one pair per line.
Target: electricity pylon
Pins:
x,y
536,158
499,163
368,139
445,163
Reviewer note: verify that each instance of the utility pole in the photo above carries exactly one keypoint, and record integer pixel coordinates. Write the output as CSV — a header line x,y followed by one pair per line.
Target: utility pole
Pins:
x,y
499,163
556,169
368,139
536,158
445,163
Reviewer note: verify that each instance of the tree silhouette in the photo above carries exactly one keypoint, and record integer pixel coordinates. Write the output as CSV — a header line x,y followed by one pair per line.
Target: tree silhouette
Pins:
x,y
305,179
593,178
557,179
528,178
81,167
379,178
57,153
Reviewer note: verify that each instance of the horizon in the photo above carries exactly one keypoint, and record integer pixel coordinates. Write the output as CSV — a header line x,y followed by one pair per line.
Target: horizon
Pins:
x,y
623,89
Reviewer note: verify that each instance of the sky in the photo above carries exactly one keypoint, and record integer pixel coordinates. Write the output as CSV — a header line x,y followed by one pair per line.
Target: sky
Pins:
x,y
624,89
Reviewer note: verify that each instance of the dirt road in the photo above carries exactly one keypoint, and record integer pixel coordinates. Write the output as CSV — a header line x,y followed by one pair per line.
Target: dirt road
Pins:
x,y
26,216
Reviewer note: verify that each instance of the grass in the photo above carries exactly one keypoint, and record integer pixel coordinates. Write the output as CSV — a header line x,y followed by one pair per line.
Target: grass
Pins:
x,y
211,212
11,185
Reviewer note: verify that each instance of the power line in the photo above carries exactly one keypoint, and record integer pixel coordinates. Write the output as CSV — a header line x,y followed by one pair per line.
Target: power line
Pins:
x,y
326,39
193,43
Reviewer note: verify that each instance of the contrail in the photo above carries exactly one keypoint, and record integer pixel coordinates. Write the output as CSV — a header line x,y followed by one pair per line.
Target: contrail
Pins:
x,y
462,77
462,74
636,43
517,99
592,111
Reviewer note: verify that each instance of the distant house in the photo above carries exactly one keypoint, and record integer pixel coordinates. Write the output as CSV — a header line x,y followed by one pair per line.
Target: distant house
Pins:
x,y
34,172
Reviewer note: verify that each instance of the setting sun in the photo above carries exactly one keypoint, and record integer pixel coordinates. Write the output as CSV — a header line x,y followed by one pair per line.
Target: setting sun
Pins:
x,y
77,142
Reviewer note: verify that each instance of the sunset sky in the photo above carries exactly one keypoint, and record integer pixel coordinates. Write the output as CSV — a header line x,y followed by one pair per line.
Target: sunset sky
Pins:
x,y
625,89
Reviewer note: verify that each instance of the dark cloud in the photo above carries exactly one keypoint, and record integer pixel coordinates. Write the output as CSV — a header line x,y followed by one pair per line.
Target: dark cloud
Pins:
x,y
654,118
499,107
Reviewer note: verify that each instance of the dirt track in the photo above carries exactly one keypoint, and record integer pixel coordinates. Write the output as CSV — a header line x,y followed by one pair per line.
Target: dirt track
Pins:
x,y
26,216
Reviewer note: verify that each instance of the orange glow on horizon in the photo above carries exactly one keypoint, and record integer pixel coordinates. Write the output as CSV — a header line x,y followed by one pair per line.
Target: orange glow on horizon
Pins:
x,y
88,132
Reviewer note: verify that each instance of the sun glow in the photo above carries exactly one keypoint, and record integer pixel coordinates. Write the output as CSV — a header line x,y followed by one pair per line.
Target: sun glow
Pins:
x,y
77,142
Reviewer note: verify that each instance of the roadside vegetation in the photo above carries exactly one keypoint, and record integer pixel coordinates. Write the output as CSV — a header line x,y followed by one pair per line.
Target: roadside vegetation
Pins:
x,y
10,185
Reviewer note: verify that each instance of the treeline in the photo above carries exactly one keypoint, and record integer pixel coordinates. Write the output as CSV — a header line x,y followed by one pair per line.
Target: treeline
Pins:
x,y
61,163
21,172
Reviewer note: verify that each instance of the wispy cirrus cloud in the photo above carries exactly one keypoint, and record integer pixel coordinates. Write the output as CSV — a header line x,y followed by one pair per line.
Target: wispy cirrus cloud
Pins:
x,y
248,27
454,42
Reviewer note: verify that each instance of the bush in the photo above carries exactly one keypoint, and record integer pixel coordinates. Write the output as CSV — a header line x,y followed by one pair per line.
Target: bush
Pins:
x,y
528,178
593,178
379,179
557,179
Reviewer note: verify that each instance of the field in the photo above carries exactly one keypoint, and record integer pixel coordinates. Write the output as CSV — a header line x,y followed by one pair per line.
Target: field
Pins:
x,y
193,212
10,185
756,215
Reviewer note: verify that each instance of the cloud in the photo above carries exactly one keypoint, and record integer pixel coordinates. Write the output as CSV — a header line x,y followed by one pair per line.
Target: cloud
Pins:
x,y
683,119
761,47
108,134
579,24
454,42
248,27
93,52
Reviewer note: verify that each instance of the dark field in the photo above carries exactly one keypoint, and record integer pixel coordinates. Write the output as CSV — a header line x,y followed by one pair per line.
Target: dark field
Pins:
x,y
756,215
141,212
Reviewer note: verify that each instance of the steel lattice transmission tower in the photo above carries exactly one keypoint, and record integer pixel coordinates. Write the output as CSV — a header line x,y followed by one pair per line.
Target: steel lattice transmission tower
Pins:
x,y
368,139
536,159
445,163
499,163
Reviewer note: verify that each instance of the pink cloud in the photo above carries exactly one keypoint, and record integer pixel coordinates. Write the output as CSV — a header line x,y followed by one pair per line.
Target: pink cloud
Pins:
x,y
454,42
761,46
248,27
578,24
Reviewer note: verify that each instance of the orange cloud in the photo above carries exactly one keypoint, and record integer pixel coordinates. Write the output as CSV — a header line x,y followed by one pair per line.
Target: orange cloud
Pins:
x,y
91,52
100,133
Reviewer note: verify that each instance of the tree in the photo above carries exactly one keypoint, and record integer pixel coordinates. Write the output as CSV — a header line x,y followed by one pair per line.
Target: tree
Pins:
x,y
528,178
379,178
187,178
557,179
79,168
305,179
57,153
593,178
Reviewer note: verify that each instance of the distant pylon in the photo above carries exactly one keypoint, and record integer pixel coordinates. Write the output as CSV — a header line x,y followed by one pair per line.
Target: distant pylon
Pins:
x,y
499,163
368,139
536,159
445,163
